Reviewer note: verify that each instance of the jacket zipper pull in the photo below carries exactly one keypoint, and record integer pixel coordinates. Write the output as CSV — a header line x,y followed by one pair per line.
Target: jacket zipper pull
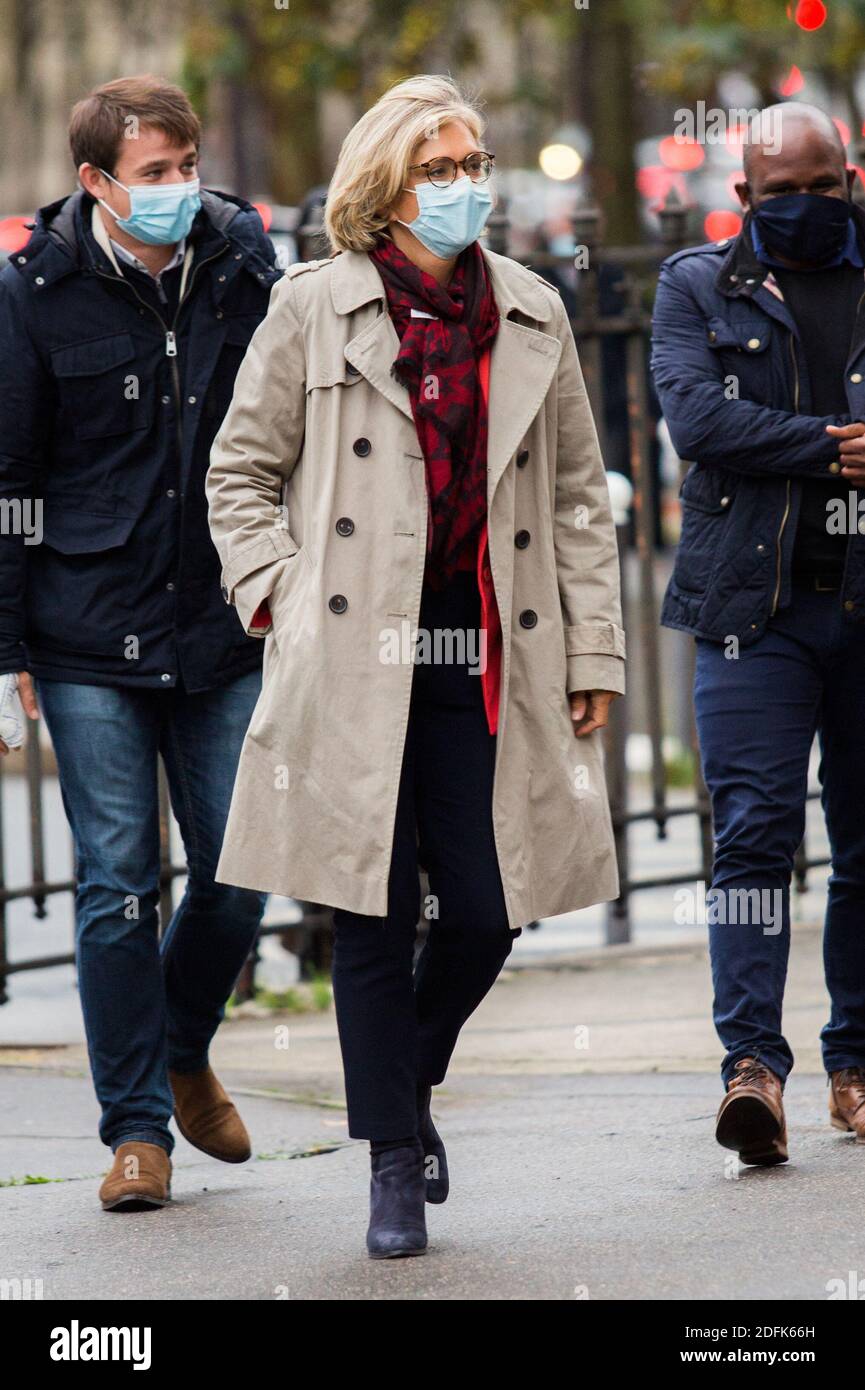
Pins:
x,y
170,344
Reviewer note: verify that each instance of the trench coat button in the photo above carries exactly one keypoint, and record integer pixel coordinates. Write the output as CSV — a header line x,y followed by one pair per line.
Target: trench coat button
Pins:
x,y
855,377
849,605
713,337
522,458
753,342
725,501
528,618
521,539
352,369
834,468
362,447
344,526
338,603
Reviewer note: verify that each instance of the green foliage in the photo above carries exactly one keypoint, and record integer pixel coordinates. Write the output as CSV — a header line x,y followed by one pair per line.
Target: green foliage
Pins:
x,y
691,43
28,1181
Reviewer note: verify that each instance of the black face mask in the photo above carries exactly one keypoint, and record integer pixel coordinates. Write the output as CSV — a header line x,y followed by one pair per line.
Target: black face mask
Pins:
x,y
804,226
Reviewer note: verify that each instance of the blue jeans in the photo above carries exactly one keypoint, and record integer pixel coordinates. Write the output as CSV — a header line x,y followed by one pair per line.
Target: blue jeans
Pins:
x,y
756,719
149,1005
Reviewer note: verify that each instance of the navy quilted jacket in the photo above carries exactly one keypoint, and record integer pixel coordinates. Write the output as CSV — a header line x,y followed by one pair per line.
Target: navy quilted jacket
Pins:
x,y
731,377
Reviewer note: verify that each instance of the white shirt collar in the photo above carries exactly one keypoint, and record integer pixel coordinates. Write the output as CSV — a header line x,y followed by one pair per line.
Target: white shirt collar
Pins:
x,y
124,255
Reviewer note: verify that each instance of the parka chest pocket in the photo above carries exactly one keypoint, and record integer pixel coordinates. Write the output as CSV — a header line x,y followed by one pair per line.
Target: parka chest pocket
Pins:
x,y
742,347
100,391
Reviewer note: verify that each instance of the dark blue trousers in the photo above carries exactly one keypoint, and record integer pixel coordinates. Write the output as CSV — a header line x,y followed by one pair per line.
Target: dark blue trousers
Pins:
x,y
398,1027
756,719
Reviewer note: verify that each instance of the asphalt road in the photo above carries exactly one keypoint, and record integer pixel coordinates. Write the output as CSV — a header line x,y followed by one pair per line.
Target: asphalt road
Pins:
x,y
578,1171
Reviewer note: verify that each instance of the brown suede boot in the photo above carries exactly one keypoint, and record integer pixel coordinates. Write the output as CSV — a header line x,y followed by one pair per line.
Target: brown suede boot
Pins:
x,y
751,1115
206,1116
140,1178
847,1101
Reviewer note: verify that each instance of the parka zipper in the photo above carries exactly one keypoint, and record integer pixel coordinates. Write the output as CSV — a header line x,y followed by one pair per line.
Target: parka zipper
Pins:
x,y
787,503
170,333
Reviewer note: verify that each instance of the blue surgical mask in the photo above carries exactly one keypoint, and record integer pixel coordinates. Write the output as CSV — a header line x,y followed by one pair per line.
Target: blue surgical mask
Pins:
x,y
160,214
450,219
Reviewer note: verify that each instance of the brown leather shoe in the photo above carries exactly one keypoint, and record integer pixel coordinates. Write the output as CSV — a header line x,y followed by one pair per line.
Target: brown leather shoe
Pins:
x,y
751,1115
847,1101
140,1178
206,1116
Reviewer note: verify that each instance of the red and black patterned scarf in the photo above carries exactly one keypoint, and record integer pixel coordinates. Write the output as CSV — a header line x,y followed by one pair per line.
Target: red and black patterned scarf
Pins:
x,y
438,364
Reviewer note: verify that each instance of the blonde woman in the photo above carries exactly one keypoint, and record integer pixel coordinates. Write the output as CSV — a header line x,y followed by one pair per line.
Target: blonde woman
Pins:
x,y
408,501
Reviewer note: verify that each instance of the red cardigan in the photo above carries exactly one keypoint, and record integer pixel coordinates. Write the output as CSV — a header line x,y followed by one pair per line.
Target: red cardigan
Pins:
x,y
492,675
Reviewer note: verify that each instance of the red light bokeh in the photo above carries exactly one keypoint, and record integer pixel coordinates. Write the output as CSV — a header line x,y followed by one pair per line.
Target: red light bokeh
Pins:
x,y
682,155
810,14
265,212
14,233
721,223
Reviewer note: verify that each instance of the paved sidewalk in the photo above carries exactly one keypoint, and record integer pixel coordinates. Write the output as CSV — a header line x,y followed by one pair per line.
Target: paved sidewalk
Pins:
x,y
578,1118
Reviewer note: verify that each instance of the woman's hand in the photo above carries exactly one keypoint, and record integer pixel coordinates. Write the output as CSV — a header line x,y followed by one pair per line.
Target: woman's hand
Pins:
x,y
590,709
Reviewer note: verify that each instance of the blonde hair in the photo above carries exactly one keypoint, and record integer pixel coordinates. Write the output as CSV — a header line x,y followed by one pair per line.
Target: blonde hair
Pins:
x,y
373,163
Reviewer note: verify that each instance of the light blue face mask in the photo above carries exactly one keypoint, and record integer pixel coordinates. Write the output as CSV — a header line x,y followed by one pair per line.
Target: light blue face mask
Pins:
x,y
160,214
450,219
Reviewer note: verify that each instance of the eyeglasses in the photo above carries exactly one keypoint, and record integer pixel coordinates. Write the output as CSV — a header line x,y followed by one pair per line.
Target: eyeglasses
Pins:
x,y
442,172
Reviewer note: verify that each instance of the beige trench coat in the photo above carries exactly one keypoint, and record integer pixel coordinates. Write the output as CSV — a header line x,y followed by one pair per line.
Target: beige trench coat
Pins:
x,y
318,503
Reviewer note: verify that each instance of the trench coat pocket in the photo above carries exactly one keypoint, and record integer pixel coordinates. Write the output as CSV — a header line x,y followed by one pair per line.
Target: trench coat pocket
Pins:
x,y
251,592
248,578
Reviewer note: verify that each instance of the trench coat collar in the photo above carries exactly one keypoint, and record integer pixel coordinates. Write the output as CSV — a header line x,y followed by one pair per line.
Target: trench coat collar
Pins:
x,y
355,282
522,363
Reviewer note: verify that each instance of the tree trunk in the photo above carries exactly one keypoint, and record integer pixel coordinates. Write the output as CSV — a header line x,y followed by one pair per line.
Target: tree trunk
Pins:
x,y
611,60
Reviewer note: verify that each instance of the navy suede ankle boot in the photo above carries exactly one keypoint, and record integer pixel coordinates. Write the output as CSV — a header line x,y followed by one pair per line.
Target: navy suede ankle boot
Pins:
x,y
397,1221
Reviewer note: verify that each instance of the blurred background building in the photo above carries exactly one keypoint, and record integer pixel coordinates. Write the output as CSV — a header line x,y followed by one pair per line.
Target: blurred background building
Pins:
x,y
581,95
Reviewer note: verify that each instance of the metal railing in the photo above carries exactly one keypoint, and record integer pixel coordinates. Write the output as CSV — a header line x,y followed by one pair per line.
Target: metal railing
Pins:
x,y
630,325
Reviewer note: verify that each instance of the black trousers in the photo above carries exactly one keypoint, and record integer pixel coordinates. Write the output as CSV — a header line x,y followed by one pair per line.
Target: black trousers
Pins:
x,y
397,1026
